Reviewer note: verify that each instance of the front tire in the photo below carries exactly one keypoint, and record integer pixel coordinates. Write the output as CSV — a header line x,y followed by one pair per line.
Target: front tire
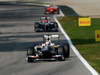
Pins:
x,y
30,60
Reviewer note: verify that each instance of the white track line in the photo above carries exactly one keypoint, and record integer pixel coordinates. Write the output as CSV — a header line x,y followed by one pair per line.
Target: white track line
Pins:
x,y
86,64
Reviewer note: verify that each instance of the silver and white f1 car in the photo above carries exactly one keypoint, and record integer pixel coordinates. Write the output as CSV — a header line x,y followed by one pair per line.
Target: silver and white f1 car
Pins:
x,y
49,50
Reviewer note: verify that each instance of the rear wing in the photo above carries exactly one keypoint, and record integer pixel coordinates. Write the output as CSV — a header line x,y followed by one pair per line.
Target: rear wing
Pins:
x,y
45,17
51,37
55,36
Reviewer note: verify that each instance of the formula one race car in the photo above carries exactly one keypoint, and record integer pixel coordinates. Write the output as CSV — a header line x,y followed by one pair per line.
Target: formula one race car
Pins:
x,y
49,50
52,10
45,25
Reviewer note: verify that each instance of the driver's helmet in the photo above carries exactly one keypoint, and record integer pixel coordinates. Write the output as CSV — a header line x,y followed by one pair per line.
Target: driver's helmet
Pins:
x,y
47,39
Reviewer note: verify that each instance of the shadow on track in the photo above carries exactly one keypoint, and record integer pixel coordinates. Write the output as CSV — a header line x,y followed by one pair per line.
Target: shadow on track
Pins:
x,y
20,11
14,46
21,46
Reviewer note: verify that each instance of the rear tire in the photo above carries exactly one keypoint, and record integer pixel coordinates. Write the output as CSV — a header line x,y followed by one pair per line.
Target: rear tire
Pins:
x,y
58,12
66,50
61,52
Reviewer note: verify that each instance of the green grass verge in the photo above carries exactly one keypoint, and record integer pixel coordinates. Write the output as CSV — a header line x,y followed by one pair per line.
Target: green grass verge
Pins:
x,y
84,38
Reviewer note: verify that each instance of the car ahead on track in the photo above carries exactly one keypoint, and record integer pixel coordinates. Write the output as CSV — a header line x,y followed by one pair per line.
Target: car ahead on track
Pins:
x,y
49,50
52,10
45,25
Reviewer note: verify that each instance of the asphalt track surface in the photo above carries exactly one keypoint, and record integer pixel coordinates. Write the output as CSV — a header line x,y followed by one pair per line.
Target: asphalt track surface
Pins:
x,y
17,35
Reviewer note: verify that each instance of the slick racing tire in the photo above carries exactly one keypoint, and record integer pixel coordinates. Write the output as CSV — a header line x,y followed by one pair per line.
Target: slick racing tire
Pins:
x,y
66,50
30,60
61,52
29,51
